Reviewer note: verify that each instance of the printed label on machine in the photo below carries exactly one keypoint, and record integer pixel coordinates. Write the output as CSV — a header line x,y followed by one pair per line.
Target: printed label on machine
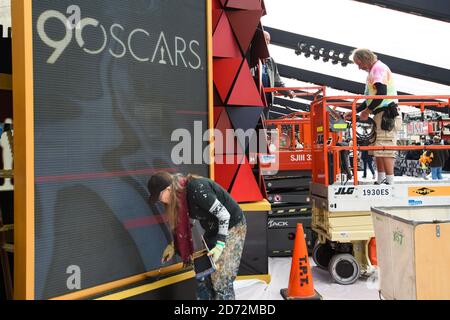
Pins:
x,y
362,192
342,191
375,192
429,191
268,158
300,157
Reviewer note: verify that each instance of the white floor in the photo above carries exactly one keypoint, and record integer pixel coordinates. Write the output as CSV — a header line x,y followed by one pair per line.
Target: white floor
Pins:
x,y
401,179
279,270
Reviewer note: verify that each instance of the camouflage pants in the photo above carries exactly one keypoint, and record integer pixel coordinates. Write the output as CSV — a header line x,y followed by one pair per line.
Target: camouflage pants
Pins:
x,y
219,286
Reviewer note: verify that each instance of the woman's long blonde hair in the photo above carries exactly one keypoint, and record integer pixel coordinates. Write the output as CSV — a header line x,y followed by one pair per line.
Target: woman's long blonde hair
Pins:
x,y
171,209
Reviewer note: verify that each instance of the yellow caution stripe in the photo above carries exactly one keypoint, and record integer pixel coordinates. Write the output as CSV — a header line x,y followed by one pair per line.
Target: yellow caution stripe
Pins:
x,y
149,287
263,277
263,205
115,285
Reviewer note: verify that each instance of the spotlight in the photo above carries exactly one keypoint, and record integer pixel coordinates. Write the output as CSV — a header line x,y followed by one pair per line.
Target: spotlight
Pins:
x,y
335,58
307,52
330,55
314,52
325,54
301,47
346,60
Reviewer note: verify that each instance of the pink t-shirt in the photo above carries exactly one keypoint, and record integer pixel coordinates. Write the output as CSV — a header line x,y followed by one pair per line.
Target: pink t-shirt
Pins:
x,y
382,74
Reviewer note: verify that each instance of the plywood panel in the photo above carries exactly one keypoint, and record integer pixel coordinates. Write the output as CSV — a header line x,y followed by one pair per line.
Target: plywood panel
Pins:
x,y
384,254
422,214
402,243
433,261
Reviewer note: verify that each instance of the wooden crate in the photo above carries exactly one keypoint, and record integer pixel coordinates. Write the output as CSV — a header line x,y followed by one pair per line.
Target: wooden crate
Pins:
x,y
413,252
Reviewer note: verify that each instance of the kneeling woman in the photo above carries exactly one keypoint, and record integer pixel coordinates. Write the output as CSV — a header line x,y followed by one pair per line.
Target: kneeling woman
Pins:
x,y
220,216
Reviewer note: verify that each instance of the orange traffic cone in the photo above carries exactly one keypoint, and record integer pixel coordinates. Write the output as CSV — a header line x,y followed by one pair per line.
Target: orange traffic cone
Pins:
x,y
301,285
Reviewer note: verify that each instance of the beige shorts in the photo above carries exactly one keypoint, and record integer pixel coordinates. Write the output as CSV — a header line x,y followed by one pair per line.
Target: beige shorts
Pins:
x,y
386,138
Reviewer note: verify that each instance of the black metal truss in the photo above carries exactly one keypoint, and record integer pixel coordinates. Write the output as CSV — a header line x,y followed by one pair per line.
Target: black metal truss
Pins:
x,y
434,9
321,79
401,66
291,105
324,80
275,114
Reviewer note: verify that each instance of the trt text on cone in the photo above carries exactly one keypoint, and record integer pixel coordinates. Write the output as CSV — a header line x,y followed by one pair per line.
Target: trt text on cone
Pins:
x,y
301,285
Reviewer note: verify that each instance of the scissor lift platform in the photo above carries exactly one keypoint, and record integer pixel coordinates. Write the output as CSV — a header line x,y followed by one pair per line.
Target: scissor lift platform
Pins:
x,y
342,220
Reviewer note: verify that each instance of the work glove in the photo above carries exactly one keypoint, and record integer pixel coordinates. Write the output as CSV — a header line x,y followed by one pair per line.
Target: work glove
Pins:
x,y
168,253
291,94
217,251
348,115
364,115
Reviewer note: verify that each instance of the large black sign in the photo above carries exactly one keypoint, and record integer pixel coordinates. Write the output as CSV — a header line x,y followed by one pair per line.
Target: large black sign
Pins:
x,y
112,80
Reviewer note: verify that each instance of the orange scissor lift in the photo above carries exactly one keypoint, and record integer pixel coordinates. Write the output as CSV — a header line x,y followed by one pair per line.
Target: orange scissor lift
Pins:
x,y
294,145
293,133
342,209
286,174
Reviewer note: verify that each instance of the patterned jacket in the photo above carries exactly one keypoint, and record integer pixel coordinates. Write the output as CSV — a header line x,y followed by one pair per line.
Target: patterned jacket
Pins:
x,y
215,209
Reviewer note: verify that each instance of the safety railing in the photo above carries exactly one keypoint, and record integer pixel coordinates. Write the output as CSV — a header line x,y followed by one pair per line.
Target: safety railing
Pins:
x,y
299,92
327,142
298,122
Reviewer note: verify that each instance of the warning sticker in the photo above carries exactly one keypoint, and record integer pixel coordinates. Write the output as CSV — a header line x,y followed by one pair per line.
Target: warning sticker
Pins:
x,y
429,191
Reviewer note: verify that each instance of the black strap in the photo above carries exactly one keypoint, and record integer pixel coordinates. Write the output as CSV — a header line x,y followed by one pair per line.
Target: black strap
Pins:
x,y
381,91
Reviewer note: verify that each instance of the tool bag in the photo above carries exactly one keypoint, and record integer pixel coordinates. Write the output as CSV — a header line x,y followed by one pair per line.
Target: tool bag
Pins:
x,y
388,118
